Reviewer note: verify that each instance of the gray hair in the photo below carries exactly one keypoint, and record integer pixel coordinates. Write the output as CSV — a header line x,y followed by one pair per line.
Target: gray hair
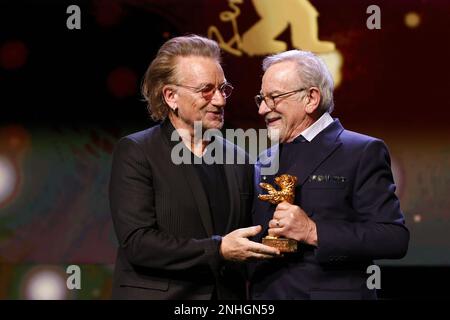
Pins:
x,y
312,71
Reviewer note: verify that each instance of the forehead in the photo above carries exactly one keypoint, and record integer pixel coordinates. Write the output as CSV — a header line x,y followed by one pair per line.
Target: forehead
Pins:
x,y
198,70
280,76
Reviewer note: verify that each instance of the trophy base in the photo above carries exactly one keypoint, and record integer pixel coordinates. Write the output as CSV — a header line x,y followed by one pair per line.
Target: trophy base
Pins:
x,y
282,244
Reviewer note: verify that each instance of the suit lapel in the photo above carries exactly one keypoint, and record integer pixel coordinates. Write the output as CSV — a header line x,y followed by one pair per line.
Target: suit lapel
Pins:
x,y
193,181
315,152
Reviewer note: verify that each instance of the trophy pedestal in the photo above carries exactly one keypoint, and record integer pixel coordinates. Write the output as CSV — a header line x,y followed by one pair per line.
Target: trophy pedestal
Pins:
x,y
282,244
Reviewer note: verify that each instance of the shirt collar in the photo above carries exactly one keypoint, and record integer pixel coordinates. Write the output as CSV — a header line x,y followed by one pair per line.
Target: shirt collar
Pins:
x,y
312,131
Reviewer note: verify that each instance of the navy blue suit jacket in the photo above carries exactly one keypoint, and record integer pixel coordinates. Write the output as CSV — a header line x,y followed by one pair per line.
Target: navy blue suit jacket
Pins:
x,y
345,185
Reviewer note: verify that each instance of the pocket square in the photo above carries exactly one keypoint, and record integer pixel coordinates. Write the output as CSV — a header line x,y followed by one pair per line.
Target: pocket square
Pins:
x,y
326,178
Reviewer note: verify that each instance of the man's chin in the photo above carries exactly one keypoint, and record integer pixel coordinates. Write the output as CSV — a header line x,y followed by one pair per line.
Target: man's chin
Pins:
x,y
209,125
275,134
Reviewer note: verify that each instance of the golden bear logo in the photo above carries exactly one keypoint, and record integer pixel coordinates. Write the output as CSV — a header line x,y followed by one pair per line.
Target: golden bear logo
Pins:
x,y
300,15
276,16
286,183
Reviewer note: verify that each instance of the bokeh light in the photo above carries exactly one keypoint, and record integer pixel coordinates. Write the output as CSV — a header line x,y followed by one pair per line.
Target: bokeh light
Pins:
x,y
14,139
45,283
417,218
107,13
412,19
122,82
8,179
13,55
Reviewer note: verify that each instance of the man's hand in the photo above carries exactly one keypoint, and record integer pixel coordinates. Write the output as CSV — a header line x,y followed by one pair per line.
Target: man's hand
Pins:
x,y
290,221
236,247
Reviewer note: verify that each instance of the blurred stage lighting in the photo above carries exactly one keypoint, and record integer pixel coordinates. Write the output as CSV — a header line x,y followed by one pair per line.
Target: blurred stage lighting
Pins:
x,y
8,179
417,218
122,82
45,283
13,55
412,20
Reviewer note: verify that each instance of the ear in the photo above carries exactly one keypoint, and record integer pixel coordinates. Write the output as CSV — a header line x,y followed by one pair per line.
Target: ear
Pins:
x,y
170,96
312,100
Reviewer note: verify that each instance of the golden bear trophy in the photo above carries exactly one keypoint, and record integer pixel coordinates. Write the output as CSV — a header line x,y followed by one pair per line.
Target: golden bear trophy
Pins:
x,y
286,183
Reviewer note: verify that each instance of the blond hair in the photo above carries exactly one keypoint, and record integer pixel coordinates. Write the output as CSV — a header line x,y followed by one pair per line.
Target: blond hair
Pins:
x,y
162,69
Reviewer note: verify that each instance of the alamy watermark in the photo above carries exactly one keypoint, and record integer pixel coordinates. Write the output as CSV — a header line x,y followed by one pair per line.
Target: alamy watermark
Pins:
x,y
374,20
259,144
374,280
74,19
74,279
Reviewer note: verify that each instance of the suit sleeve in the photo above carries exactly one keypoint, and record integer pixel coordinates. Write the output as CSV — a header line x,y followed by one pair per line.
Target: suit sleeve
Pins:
x,y
132,206
379,230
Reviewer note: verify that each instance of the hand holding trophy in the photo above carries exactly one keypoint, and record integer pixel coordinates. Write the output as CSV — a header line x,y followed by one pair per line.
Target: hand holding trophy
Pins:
x,y
286,193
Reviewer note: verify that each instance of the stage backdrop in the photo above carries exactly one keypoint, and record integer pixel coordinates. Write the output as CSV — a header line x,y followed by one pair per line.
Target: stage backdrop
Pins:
x,y
67,95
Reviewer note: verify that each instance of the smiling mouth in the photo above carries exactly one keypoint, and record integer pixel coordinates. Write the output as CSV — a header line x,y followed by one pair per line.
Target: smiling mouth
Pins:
x,y
270,121
217,112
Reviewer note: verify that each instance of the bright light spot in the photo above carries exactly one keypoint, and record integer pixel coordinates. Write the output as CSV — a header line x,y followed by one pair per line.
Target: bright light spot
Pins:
x,y
334,62
412,20
45,284
417,218
8,178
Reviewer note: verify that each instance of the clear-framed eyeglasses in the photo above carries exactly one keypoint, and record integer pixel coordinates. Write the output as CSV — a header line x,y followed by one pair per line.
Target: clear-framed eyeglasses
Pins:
x,y
270,99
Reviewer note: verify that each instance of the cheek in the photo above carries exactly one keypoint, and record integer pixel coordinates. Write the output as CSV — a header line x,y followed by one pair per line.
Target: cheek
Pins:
x,y
192,111
185,111
284,122
291,119
199,109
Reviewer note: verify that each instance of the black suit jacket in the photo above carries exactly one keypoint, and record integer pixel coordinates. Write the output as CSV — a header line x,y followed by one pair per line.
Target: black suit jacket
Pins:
x,y
167,247
345,185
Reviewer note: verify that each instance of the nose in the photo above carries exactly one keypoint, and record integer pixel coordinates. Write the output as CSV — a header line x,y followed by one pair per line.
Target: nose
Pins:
x,y
218,99
263,108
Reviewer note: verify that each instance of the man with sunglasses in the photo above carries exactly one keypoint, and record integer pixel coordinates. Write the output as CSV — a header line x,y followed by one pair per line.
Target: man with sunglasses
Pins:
x,y
345,213
182,228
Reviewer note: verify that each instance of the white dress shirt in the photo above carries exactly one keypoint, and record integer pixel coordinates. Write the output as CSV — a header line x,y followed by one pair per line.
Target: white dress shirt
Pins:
x,y
324,121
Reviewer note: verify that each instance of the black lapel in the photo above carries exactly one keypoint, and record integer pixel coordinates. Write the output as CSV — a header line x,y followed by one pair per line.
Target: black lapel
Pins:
x,y
233,191
193,181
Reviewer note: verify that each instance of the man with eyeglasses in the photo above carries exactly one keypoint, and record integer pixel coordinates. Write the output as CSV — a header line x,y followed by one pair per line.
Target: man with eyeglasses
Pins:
x,y
182,228
345,213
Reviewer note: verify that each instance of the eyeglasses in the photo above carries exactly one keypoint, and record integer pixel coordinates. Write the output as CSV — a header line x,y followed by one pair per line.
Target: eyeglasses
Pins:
x,y
270,99
209,90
